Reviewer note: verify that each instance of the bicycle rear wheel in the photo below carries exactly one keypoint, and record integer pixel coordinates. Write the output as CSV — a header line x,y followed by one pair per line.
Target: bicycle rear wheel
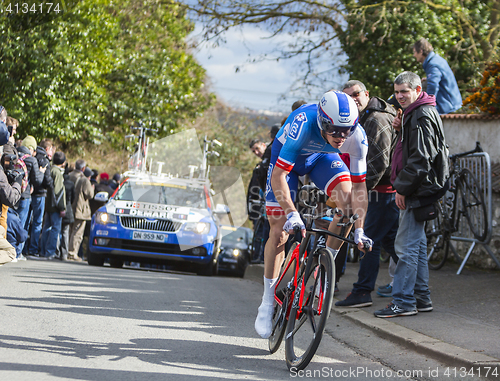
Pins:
x,y
282,308
308,316
474,207
258,241
437,242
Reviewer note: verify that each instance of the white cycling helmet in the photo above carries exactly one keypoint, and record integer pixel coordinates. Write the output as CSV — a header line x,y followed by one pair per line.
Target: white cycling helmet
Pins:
x,y
337,114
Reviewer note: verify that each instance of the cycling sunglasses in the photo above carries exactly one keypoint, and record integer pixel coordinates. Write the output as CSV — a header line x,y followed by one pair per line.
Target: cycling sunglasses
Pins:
x,y
334,131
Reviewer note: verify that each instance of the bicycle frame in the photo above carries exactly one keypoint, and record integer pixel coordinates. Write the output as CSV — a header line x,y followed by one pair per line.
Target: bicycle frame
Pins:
x,y
299,254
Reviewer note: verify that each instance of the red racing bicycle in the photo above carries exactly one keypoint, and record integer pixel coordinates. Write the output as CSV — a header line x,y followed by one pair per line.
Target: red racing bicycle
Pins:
x,y
304,291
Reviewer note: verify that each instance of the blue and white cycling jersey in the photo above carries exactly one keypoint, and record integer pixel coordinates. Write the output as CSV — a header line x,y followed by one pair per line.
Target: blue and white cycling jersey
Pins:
x,y
300,149
301,136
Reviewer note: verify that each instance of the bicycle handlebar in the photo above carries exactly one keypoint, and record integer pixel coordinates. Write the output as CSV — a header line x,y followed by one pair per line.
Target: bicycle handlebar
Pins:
x,y
324,231
478,148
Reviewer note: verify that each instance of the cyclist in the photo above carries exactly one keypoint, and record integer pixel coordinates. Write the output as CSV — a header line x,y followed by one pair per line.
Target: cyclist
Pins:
x,y
310,142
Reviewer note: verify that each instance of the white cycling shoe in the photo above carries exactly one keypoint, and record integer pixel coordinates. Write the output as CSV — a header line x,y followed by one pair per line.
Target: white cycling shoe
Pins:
x,y
264,321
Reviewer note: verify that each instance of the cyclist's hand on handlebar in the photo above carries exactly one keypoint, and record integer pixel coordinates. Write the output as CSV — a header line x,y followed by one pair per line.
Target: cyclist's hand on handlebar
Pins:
x,y
364,243
294,220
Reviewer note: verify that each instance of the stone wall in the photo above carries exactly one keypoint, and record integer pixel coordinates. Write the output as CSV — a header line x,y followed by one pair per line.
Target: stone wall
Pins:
x,y
462,132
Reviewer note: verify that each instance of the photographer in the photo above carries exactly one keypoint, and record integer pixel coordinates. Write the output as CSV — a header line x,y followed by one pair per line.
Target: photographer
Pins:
x,y
10,190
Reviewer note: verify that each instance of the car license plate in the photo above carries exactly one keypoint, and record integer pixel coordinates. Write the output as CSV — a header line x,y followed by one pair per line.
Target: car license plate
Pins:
x,y
145,236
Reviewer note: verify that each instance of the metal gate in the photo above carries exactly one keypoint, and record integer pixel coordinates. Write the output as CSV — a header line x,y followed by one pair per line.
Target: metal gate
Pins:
x,y
480,165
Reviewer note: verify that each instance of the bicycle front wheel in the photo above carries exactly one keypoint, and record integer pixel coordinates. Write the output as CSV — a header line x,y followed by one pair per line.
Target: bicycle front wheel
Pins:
x,y
310,310
474,207
282,307
437,244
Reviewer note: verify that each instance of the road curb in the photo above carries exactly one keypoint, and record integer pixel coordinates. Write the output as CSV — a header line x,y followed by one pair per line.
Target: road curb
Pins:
x,y
390,330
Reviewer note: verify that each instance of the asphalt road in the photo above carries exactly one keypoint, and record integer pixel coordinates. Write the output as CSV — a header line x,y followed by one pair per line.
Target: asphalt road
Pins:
x,y
71,321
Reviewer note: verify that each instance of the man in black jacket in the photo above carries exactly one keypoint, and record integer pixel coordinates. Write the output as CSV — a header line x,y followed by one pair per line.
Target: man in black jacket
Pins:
x,y
43,154
35,179
10,193
68,218
381,223
419,174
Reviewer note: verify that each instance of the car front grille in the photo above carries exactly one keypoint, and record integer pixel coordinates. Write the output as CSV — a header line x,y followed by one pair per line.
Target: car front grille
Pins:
x,y
141,223
155,247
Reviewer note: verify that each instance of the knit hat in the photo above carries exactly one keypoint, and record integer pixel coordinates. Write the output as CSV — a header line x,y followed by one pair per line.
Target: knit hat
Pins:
x,y
88,172
104,176
58,158
29,142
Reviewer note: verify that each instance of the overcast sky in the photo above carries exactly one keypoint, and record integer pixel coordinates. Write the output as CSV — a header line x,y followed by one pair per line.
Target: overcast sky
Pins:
x,y
258,86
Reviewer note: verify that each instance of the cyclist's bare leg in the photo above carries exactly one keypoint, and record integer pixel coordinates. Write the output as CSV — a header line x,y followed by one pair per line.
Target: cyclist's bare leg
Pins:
x,y
341,194
274,252
273,257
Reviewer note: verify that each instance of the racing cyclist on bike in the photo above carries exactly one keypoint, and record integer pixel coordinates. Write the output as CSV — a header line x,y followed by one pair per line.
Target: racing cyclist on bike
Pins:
x,y
310,142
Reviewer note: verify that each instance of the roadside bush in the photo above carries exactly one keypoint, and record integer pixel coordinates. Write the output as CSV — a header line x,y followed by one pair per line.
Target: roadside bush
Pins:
x,y
486,97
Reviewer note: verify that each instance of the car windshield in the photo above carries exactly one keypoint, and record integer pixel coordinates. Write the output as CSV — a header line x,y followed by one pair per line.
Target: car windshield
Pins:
x,y
162,193
237,236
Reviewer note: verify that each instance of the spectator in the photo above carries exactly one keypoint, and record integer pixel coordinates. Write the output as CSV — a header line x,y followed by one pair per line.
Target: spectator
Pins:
x,y
297,104
55,206
10,147
258,147
43,155
254,191
10,194
419,179
16,234
78,171
441,81
69,217
257,186
381,223
84,191
115,181
35,176
93,178
102,186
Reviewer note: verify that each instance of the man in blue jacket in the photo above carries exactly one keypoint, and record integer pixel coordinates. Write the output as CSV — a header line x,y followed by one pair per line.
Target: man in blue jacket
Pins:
x,y
441,81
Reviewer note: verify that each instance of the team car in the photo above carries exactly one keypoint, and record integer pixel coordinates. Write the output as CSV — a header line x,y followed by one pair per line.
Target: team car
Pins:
x,y
158,220
234,255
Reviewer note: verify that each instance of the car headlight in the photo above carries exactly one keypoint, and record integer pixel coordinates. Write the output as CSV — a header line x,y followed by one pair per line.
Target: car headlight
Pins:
x,y
236,252
198,227
105,218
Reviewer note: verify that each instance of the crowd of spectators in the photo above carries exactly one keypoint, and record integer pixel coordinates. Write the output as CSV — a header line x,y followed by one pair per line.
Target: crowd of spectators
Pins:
x,y
45,201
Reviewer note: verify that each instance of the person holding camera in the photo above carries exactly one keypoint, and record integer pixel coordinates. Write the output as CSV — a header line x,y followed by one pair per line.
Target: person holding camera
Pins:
x,y
10,190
